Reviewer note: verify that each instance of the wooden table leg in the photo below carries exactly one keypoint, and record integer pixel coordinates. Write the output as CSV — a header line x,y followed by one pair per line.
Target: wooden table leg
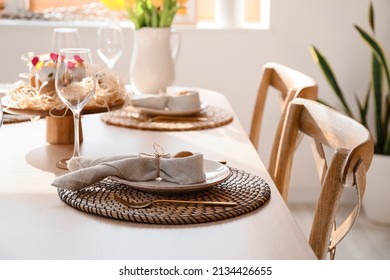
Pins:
x,y
60,130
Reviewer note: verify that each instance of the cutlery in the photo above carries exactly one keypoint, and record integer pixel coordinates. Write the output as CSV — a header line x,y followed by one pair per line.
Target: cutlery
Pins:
x,y
139,205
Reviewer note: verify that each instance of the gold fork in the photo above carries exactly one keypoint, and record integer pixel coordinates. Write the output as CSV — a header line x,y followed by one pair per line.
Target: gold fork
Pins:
x,y
138,205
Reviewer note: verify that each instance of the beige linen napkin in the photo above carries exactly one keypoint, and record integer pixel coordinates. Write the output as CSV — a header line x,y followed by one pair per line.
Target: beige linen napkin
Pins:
x,y
186,100
85,171
158,101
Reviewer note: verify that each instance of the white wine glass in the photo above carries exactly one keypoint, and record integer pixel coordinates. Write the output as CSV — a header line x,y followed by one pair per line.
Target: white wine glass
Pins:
x,y
110,44
75,85
65,38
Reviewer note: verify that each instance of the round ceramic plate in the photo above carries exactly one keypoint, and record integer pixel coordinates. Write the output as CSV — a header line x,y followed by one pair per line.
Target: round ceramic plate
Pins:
x,y
167,112
215,174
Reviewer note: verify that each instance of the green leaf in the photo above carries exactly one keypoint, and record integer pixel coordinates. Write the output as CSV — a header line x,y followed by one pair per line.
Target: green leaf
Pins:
x,y
164,21
144,11
376,48
328,72
371,17
386,149
377,90
132,16
171,15
363,108
154,17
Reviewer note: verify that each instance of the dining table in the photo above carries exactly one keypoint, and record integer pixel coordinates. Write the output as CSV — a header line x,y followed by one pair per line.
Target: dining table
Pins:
x,y
37,224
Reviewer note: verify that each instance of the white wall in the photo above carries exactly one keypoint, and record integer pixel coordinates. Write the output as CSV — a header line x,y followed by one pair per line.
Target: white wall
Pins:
x,y
229,61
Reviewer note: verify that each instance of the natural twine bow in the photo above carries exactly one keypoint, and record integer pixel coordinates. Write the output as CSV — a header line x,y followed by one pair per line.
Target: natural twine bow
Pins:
x,y
158,153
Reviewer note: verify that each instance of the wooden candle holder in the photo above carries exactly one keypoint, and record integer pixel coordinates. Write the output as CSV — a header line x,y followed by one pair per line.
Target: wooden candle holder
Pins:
x,y
60,130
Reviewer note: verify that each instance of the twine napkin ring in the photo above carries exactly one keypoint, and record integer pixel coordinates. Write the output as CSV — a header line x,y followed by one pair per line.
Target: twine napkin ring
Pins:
x,y
158,153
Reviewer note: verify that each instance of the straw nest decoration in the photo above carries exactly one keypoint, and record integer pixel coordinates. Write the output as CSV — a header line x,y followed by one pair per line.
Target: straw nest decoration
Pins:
x,y
23,96
248,191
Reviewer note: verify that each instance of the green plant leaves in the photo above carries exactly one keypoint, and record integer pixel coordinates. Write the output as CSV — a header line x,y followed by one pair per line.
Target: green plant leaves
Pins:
x,y
377,50
379,73
328,72
379,68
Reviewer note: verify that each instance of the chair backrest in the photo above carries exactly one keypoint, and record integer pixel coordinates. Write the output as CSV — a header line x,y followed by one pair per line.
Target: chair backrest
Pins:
x,y
290,84
353,149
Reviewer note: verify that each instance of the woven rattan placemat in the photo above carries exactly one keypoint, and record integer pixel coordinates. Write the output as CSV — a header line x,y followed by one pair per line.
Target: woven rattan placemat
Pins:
x,y
248,191
215,116
11,118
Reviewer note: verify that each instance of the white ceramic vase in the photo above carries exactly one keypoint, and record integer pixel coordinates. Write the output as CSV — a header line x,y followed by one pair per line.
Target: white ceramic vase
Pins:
x,y
376,201
152,67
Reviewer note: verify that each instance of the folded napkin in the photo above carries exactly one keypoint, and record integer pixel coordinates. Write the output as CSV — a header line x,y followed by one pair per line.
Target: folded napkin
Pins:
x,y
185,100
85,171
158,101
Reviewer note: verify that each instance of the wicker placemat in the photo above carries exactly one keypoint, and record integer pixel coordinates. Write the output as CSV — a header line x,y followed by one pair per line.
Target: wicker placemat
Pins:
x,y
248,191
11,118
215,116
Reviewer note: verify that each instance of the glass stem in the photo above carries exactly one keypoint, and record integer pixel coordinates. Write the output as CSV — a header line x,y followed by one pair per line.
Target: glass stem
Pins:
x,y
76,118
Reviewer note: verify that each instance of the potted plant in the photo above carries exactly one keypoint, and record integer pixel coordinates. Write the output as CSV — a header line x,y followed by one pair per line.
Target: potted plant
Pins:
x,y
379,92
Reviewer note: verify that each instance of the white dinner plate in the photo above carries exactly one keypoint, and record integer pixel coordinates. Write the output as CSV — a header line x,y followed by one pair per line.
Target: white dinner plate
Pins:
x,y
167,112
215,174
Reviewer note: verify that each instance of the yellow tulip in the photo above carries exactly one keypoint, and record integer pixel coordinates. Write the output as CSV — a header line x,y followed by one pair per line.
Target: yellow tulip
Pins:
x,y
118,4
157,3
157,15
183,10
113,4
182,2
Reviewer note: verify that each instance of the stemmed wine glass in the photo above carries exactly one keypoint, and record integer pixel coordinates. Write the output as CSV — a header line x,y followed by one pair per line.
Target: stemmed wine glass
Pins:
x,y
75,85
65,38
110,43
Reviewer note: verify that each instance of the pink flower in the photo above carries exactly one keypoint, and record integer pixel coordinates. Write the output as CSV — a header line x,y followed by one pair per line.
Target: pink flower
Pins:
x,y
35,60
54,56
71,65
78,59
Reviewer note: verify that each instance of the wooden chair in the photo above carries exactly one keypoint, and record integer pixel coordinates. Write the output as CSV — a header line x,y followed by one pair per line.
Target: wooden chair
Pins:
x,y
290,84
353,151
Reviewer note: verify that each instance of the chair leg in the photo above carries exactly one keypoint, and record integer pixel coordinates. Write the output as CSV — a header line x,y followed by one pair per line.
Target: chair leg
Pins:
x,y
332,253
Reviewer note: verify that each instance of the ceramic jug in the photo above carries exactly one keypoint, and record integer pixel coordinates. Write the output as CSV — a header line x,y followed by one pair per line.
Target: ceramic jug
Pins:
x,y
152,67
